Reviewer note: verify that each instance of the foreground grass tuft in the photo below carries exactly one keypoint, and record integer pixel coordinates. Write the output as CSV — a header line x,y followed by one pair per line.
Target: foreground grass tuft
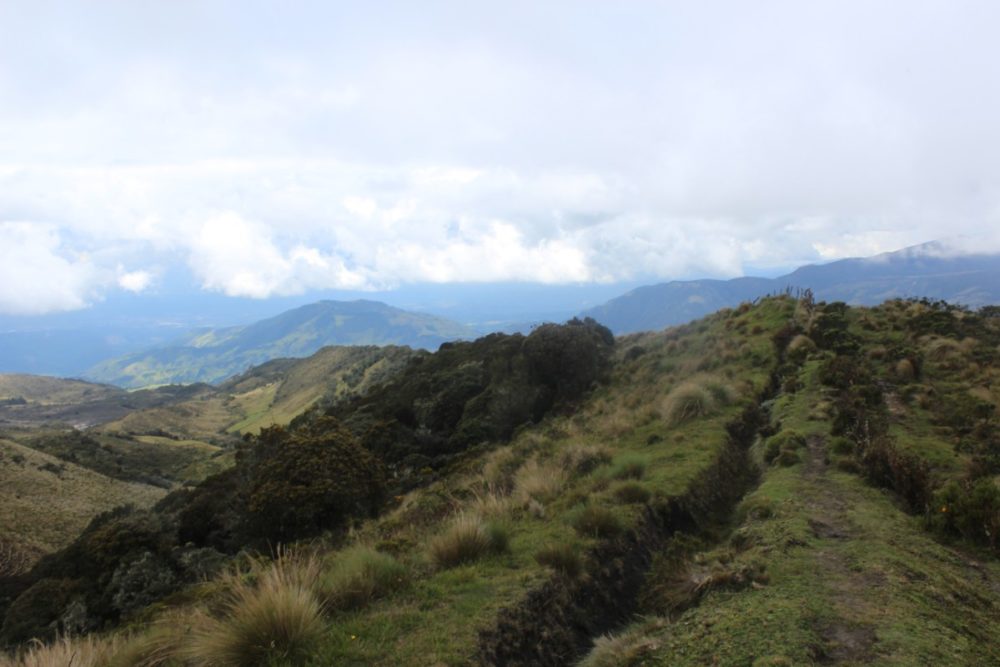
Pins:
x,y
74,652
596,521
278,618
467,539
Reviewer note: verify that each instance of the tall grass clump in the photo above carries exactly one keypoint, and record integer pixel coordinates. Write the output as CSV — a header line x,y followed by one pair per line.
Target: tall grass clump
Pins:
x,y
596,521
562,557
276,618
64,652
627,648
359,575
538,481
467,539
698,397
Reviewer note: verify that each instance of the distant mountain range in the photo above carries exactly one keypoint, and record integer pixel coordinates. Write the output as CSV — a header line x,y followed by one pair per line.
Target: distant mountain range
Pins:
x,y
927,270
215,354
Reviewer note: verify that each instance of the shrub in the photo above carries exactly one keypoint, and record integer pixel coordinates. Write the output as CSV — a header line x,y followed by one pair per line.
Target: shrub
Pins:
x,y
632,493
278,618
562,557
308,480
35,613
596,521
971,511
468,538
359,575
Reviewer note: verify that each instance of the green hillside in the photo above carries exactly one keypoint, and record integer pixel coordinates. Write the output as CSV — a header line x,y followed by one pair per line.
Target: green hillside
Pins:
x,y
217,354
784,483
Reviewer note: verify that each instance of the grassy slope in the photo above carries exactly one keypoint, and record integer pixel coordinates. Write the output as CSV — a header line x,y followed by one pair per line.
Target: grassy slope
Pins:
x,y
273,393
843,574
44,509
851,577
437,618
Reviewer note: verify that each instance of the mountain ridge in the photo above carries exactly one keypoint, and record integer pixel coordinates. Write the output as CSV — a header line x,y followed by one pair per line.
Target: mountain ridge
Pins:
x,y
215,354
928,270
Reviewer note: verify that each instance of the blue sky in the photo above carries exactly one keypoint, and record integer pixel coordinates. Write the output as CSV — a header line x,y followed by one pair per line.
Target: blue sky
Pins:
x,y
267,150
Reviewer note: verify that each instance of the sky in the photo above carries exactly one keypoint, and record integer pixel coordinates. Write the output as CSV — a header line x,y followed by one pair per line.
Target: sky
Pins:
x,y
272,149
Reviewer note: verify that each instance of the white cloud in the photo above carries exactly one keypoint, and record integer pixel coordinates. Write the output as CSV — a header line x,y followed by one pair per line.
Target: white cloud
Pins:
x,y
134,281
330,147
37,273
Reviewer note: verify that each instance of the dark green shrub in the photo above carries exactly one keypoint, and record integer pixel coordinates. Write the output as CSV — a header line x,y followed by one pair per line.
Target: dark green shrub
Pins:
x,y
971,511
305,481
35,613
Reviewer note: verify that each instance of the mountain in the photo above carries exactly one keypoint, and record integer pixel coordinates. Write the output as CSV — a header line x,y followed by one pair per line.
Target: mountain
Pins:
x,y
215,354
788,482
929,270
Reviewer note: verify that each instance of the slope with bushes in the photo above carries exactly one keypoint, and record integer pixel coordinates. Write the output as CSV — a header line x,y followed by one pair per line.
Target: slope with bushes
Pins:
x,y
783,483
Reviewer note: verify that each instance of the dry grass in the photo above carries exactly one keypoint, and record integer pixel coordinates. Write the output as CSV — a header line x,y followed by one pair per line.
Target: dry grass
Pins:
x,y
276,617
490,501
582,459
695,398
538,481
65,652
625,649
468,538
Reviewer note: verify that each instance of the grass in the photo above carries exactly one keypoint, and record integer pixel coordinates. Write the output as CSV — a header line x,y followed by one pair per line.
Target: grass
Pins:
x,y
358,576
65,652
563,557
468,538
277,617
696,398
596,521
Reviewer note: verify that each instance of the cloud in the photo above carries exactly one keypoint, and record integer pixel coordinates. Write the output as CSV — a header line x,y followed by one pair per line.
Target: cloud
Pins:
x,y
339,145
37,273
134,281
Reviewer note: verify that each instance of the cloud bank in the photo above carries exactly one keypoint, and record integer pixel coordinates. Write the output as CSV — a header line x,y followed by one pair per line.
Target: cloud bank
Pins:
x,y
277,150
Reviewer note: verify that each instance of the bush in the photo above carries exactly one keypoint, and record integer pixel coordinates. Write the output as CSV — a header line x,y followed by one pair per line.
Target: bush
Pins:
x,y
971,511
35,613
309,480
562,557
596,521
467,539
277,619
360,575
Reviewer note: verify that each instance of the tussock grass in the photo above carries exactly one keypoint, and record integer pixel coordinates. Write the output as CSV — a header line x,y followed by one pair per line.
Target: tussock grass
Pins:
x,y
278,617
359,575
538,481
800,347
64,652
489,500
628,466
632,493
500,467
627,648
582,459
562,557
698,397
467,539
596,521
